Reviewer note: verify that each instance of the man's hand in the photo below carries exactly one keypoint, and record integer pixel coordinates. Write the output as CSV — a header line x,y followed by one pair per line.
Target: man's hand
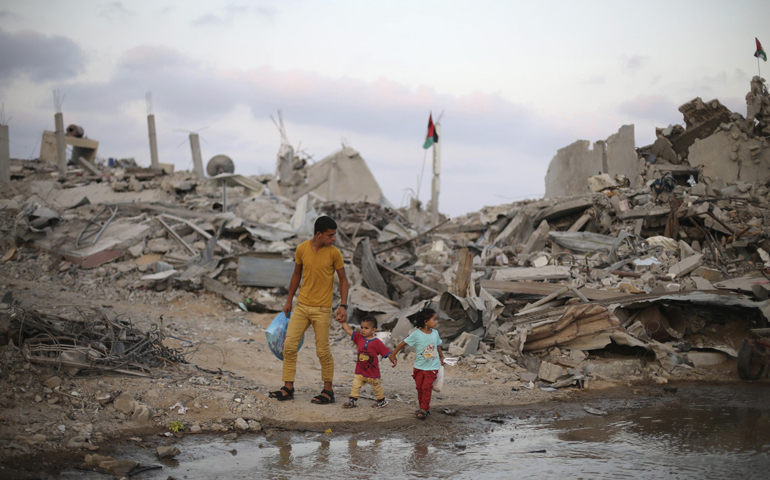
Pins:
x,y
393,360
287,308
342,315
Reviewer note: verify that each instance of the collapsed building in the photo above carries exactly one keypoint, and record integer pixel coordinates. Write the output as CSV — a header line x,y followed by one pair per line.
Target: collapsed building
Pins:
x,y
654,252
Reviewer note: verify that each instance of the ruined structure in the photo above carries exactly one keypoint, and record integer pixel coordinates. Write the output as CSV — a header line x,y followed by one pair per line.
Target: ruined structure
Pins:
x,y
572,164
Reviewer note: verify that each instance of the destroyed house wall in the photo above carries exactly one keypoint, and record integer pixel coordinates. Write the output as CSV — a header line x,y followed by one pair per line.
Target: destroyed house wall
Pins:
x,y
573,164
354,181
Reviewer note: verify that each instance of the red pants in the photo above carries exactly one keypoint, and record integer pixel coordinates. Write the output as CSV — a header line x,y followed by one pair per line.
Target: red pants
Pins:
x,y
423,380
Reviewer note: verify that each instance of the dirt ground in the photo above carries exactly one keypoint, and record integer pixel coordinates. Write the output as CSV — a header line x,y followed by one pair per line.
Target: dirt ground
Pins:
x,y
40,424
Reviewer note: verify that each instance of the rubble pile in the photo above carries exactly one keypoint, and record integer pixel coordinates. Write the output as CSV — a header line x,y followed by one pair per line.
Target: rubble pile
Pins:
x,y
658,256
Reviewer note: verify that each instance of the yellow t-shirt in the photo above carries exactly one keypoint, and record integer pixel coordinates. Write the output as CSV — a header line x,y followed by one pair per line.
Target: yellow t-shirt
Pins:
x,y
318,269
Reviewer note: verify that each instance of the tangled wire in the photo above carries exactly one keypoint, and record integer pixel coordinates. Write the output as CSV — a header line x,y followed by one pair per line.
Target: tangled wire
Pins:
x,y
86,338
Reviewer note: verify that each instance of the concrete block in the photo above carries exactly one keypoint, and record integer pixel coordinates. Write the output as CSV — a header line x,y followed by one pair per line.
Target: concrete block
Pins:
x,y
550,372
705,359
465,344
710,274
686,266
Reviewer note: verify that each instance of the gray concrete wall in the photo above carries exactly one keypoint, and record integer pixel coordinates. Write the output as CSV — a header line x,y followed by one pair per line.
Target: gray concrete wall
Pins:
x,y
569,169
730,156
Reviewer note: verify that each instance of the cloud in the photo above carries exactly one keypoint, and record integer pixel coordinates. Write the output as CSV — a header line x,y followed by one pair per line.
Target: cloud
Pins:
x,y
232,12
634,62
9,14
207,20
115,11
40,57
595,80
658,108
197,93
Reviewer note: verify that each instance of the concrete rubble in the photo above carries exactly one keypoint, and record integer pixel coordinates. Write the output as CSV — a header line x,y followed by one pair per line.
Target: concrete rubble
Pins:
x,y
642,264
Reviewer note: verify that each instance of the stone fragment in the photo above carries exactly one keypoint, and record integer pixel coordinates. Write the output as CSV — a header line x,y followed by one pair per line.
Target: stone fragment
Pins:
x,y
159,245
52,382
196,428
142,413
118,467
137,250
97,459
166,452
254,426
124,403
577,355
241,425
550,372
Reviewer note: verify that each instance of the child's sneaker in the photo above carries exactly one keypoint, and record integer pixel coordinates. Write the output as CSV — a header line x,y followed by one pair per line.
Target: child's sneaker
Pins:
x,y
352,403
380,403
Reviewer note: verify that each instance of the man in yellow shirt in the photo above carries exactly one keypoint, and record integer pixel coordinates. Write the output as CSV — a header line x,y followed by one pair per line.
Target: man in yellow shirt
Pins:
x,y
316,260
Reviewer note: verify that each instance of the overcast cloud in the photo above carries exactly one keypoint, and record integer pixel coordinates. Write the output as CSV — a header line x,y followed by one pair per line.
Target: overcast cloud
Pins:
x,y
516,81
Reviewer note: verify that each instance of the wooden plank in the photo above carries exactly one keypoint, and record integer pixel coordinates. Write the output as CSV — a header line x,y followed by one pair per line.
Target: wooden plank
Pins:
x,y
463,277
219,288
579,223
537,288
372,277
259,272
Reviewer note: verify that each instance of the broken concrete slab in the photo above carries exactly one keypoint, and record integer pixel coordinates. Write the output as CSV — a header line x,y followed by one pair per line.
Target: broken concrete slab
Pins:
x,y
537,240
260,272
686,266
569,169
549,272
564,208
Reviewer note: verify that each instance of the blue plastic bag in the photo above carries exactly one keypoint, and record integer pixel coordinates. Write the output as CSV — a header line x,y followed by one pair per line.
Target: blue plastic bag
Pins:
x,y
276,335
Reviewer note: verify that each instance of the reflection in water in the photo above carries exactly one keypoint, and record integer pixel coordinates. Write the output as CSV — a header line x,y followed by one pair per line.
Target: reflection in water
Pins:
x,y
723,432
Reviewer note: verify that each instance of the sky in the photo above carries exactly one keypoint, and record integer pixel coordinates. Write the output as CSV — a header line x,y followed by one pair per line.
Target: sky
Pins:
x,y
512,81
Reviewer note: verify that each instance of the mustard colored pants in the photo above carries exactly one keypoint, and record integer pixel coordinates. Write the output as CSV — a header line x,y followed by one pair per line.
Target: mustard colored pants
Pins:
x,y
301,318
360,380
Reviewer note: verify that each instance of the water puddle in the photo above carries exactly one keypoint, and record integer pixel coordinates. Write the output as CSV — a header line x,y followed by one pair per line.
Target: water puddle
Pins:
x,y
701,432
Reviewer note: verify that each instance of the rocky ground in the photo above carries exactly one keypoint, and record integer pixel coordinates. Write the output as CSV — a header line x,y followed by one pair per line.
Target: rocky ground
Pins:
x,y
51,416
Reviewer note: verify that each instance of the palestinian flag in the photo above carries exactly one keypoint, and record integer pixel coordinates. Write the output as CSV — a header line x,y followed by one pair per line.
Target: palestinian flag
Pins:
x,y
432,136
760,53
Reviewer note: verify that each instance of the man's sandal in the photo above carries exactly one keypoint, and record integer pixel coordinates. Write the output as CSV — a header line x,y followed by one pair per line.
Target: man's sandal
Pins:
x,y
283,394
352,403
325,397
422,414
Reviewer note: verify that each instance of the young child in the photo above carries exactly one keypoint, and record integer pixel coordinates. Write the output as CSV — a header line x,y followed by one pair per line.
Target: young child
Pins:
x,y
429,357
367,363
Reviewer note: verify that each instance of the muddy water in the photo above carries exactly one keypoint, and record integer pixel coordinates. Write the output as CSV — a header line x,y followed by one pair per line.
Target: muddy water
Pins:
x,y
697,432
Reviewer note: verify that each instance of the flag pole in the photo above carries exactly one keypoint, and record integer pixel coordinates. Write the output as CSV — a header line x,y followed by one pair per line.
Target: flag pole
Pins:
x,y
758,70
436,185
419,183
